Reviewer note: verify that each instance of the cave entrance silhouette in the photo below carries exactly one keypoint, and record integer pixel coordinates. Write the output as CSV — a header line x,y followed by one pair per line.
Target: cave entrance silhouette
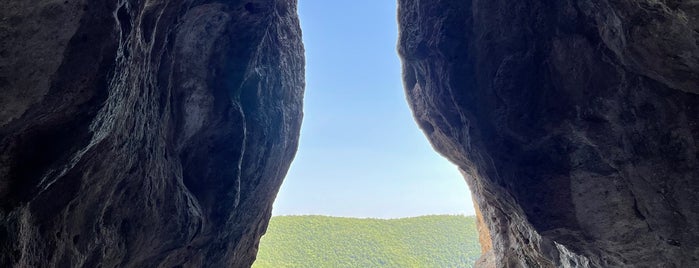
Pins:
x,y
361,154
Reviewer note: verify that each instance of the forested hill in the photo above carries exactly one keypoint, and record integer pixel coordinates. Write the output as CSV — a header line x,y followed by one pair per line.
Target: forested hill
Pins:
x,y
322,241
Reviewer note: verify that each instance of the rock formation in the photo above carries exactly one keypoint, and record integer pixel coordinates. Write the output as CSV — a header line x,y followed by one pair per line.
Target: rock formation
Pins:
x,y
144,133
156,133
576,123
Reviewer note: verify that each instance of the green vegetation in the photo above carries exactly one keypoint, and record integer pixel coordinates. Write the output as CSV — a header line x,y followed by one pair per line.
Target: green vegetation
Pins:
x,y
321,241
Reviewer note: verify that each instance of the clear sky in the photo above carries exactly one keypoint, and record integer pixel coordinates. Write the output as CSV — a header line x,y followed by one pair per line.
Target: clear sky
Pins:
x,y
361,153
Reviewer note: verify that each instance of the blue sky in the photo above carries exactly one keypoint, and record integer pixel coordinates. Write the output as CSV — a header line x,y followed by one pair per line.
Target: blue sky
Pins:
x,y
361,154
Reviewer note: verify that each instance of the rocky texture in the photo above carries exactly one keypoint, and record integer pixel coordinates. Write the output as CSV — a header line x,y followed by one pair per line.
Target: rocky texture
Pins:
x,y
144,133
576,122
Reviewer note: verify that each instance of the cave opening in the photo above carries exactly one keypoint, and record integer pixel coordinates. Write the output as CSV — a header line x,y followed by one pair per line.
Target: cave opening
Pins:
x,y
362,161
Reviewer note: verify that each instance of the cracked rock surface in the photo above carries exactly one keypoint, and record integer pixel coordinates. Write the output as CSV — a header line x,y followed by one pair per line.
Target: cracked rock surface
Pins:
x,y
144,133
575,122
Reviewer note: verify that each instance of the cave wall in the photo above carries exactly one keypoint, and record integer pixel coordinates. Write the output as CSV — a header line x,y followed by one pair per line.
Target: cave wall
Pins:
x,y
575,122
144,133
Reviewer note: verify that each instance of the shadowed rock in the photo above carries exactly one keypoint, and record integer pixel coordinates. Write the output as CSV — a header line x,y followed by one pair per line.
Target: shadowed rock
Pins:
x,y
144,133
156,133
576,123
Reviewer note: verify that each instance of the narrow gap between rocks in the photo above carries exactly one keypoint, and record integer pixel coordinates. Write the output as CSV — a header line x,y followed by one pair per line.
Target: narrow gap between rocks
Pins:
x,y
366,189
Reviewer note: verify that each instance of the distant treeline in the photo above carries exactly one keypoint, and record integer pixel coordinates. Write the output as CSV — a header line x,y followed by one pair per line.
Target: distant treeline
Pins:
x,y
322,241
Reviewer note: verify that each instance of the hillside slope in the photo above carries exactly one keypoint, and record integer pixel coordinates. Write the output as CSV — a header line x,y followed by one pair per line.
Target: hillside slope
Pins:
x,y
322,241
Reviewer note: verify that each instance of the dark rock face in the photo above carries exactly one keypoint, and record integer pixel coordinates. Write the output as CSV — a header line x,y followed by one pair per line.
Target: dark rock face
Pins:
x,y
576,123
144,133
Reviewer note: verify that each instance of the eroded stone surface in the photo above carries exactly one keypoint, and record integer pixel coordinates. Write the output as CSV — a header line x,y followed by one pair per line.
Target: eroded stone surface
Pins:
x,y
576,122
144,133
